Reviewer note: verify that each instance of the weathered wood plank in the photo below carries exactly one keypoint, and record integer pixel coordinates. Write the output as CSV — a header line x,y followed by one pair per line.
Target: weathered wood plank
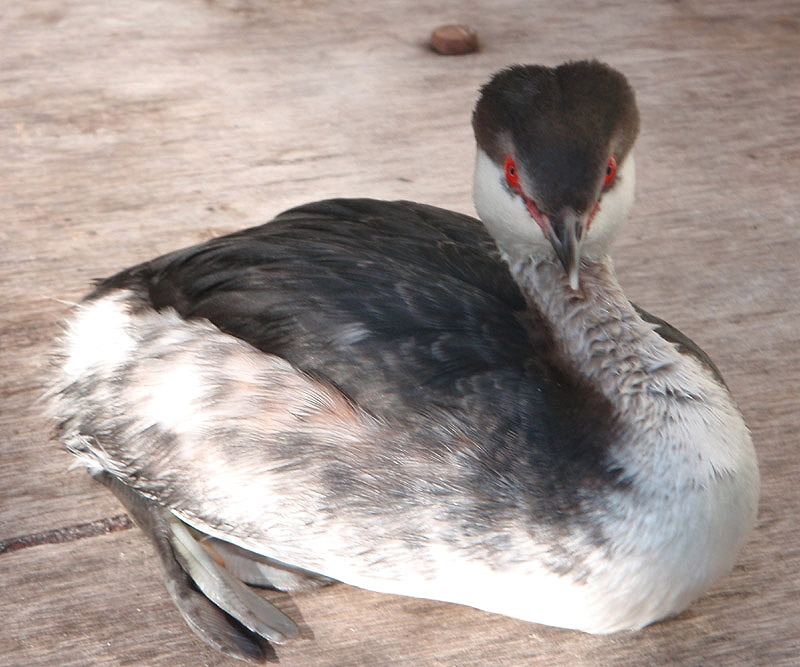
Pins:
x,y
134,128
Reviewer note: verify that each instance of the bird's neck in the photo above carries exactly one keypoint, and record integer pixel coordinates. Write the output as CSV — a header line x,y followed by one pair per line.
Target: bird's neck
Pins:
x,y
595,328
677,433
667,403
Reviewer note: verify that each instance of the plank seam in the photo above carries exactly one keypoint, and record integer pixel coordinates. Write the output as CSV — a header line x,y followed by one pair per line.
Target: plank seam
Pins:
x,y
68,533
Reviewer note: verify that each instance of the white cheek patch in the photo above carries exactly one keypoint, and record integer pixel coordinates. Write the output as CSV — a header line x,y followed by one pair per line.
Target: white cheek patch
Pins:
x,y
615,207
504,213
517,234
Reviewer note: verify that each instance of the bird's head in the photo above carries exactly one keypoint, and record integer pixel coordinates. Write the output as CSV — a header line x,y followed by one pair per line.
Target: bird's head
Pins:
x,y
554,171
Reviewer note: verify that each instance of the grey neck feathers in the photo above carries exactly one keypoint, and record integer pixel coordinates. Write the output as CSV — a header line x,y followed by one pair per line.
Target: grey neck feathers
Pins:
x,y
598,330
668,403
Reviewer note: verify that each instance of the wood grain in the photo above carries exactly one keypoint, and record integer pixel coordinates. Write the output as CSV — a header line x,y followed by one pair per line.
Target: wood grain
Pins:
x,y
130,129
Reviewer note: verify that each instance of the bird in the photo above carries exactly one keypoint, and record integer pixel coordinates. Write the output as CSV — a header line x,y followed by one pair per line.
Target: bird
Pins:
x,y
418,402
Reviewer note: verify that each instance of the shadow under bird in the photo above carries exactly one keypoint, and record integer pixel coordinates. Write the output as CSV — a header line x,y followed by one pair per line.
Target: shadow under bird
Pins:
x,y
404,399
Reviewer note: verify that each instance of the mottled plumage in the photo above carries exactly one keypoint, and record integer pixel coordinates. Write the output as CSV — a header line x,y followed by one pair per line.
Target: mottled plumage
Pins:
x,y
383,394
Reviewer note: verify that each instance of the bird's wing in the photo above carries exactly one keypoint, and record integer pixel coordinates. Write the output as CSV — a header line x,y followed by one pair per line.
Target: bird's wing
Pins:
x,y
393,302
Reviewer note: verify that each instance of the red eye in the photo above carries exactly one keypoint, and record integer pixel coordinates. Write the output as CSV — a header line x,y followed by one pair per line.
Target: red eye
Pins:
x,y
512,173
611,172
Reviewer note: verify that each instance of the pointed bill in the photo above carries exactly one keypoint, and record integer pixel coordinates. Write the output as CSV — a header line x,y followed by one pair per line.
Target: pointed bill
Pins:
x,y
566,241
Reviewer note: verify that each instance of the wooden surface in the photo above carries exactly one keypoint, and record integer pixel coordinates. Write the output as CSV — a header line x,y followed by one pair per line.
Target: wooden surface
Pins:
x,y
133,128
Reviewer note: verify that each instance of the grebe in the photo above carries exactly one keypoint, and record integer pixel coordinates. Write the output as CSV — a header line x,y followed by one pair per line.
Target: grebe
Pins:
x,y
384,394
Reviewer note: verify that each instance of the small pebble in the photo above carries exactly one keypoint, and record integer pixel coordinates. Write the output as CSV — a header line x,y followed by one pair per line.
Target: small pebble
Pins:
x,y
454,40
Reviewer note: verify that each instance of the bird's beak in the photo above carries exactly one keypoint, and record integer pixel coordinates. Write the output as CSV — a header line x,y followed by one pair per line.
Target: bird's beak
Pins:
x,y
565,233
566,240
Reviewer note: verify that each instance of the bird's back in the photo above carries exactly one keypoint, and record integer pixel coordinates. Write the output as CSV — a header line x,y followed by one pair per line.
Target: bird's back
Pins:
x,y
409,311
393,301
